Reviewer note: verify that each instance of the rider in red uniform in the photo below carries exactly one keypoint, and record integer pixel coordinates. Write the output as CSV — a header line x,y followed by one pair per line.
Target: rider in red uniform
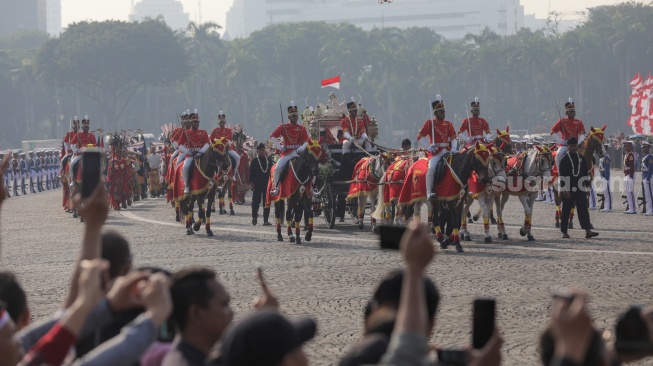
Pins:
x,y
295,140
176,136
80,140
441,140
475,128
354,129
67,141
227,133
566,128
193,144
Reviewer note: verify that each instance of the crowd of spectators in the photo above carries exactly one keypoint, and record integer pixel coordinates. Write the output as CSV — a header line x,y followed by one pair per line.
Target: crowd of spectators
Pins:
x,y
114,314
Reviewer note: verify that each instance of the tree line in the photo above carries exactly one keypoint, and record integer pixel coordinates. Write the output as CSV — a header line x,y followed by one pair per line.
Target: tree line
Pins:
x,y
140,75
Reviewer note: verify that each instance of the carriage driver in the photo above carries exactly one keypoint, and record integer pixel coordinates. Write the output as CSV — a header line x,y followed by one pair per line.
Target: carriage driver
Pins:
x,y
193,144
441,140
354,129
227,133
295,140
566,128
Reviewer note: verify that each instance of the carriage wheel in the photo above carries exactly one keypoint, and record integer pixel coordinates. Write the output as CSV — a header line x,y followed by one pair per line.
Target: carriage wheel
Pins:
x,y
328,206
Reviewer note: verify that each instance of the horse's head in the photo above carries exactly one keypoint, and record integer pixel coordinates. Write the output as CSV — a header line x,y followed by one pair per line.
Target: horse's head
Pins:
x,y
220,153
594,141
504,141
312,156
481,160
540,162
496,166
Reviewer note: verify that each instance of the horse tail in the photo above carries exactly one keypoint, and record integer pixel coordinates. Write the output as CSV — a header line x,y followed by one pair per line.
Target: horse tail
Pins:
x,y
378,213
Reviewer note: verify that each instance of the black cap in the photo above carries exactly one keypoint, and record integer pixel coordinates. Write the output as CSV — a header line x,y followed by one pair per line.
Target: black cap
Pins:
x,y
260,146
351,105
264,338
406,142
437,105
572,141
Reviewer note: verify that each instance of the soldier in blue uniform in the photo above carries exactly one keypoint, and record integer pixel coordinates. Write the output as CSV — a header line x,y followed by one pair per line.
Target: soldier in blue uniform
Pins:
x,y
31,169
15,173
647,174
38,168
604,170
24,171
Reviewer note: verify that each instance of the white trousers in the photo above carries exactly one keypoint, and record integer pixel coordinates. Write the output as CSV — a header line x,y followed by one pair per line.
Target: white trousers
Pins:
x,y
592,198
607,195
236,157
562,151
430,172
188,162
347,145
281,164
630,193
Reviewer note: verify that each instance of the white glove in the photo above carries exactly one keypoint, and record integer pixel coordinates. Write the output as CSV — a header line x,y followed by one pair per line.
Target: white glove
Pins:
x,y
204,148
488,137
432,149
276,143
364,136
581,138
348,136
463,137
454,146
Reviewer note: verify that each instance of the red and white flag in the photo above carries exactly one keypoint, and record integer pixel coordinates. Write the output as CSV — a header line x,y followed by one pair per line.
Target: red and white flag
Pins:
x,y
333,82
641,101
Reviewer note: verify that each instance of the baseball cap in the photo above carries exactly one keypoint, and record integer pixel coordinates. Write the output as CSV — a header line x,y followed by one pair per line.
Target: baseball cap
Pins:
x,y
264,338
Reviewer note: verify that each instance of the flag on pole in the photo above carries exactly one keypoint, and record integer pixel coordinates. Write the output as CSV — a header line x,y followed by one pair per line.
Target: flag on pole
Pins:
x,y
641,101
333,82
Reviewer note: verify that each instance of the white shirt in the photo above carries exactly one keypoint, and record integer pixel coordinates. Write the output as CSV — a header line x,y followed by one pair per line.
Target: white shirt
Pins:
x,y
154,160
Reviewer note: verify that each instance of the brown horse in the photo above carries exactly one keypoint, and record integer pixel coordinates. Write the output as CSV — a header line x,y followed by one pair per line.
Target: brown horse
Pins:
x,y
203,172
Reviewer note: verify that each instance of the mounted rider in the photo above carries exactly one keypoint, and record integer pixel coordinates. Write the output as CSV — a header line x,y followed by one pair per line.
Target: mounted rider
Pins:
x,y
353,128
67,143
475,128
441,140
228,134
193,144
295,140
567,128
81,139
176,136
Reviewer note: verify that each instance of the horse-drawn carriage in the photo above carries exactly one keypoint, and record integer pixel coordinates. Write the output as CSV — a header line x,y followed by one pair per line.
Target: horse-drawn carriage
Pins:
x,y
332,186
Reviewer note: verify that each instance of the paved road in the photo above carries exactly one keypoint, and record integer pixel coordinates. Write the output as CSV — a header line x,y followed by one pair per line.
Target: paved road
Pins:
x,y
332,276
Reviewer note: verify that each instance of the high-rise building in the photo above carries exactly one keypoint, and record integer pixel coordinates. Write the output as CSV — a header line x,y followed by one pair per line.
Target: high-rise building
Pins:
x,y
171,10
452,19
16,15
53,17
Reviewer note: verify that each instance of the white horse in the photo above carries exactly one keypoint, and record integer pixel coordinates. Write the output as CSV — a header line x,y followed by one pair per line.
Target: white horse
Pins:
x,y
526,172
365,186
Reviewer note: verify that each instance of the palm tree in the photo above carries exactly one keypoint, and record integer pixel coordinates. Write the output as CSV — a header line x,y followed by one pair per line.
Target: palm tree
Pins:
x,y
200,34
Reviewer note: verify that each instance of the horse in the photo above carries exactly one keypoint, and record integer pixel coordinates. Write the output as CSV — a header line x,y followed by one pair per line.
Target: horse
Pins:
x,y
295,188
592,144
221,186
450,188
202,172
390,185
366,176
485,193
523,172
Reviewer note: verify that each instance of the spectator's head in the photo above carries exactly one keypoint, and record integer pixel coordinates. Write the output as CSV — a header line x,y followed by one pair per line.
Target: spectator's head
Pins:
x,y
115,249
646,147
10,349
266,338
405,144
14,299
593,356
200,304
385,302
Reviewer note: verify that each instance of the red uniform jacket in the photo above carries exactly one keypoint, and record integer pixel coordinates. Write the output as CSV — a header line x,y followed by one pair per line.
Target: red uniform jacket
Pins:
x,y
222,132
629,165
568,128
194,140
476,128
82,139
355,127
293,136
68,138
444,134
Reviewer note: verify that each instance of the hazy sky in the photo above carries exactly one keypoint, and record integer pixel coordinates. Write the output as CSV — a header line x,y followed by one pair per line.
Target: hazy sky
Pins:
x,y
76,10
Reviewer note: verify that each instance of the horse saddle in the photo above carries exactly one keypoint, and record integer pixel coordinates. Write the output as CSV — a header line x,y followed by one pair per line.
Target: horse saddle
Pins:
x,y
285,170
441,168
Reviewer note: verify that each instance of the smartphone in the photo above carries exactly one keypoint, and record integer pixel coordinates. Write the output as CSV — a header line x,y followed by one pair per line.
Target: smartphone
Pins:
x,y
91,169
390,236
632,333
483,321
453,357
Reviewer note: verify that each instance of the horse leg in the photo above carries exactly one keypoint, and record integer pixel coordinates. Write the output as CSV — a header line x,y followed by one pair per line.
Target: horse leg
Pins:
x,y
278,216
373,198
177,212
362,199
500,202
309,213
208,219
289,220
200,215
231,203
485,201
558,202
531,202
299,212
456,210
464,233
189,216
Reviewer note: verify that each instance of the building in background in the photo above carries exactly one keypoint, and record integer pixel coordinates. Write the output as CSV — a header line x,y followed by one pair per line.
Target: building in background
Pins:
x,y
564,25
171,10
452,19
17,15
53,17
